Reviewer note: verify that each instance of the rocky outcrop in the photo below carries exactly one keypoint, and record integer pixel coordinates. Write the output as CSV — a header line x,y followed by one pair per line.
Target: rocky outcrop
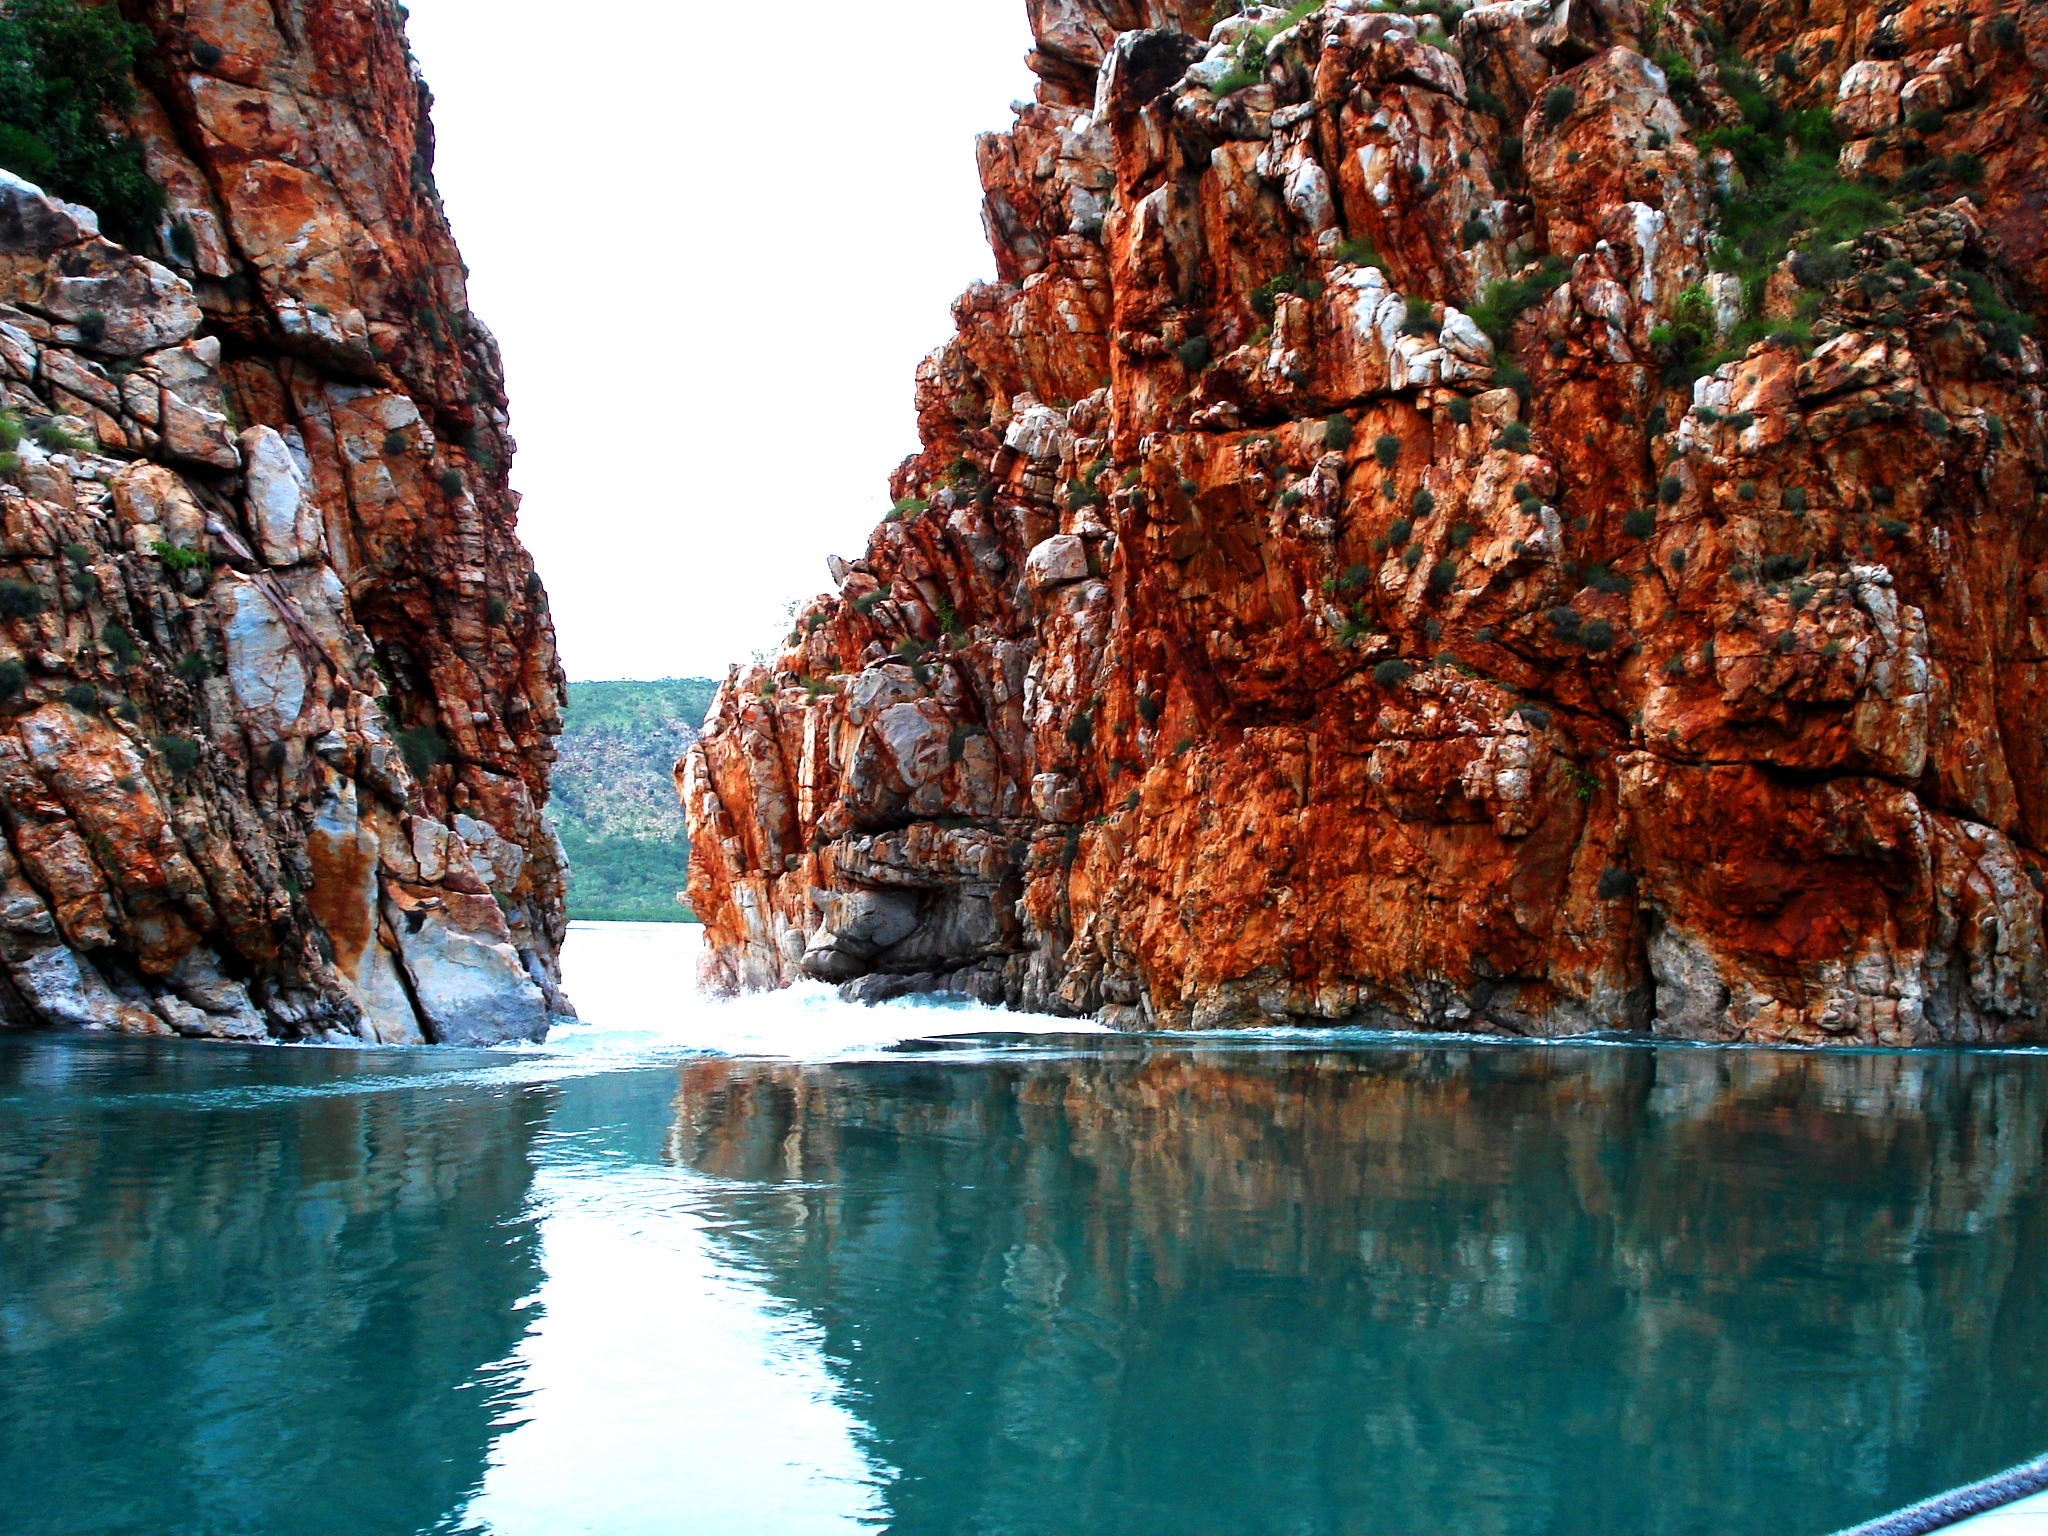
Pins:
x,y
1528,525
277,682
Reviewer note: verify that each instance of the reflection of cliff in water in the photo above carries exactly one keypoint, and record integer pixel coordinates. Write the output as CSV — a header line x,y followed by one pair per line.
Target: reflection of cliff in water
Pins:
x,y
1542,1290
276,1293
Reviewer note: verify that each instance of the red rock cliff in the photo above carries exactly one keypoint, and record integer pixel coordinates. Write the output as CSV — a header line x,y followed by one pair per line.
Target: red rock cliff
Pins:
x,y
1525,518
279,679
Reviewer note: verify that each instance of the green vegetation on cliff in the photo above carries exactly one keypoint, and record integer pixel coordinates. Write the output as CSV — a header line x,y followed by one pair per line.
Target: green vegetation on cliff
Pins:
x,y
63,65
614,804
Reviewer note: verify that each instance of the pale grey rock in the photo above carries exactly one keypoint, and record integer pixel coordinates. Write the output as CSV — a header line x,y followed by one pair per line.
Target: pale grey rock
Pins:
x,y
469,981
34,223
282,517
1055,561
264,669
140,306
858,925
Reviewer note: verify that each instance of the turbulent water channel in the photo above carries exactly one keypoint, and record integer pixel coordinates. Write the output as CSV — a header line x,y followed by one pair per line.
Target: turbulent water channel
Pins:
x,y
786,1266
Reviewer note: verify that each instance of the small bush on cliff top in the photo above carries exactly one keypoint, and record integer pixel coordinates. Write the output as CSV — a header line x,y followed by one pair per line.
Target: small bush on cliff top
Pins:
x,y
424,749
60,440
1359,251
1265,298
19,600
1998,322
1558,102
176,559
82,696
905,509
117,640
63,64
1194,353
1685,339
1503,302
180,754
1387,449
1337,432
1392,672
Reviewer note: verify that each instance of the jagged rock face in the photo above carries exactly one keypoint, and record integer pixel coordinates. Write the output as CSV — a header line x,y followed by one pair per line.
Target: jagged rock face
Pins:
x,y
259,553
1249,651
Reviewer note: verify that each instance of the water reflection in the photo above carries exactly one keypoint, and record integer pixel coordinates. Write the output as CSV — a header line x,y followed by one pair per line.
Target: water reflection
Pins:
x,y
1088,1289
662,1389
1496,1290
238,1294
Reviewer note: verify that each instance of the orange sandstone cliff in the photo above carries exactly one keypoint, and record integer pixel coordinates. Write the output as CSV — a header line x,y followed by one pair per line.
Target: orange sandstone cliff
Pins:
x,y
1521,518
279,681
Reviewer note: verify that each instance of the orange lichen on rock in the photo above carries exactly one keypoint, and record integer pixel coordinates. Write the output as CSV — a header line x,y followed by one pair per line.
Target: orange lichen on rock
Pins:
x,y
1400,547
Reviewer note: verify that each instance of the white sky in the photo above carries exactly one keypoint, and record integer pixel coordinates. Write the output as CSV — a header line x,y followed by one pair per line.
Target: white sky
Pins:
x,y
714,242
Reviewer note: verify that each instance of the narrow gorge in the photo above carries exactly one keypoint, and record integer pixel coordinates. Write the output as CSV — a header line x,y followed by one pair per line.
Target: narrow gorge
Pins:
x,y
277,680
1517,518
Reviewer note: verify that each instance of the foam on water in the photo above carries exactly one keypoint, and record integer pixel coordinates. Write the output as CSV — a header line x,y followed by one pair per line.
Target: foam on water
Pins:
x,y
635,986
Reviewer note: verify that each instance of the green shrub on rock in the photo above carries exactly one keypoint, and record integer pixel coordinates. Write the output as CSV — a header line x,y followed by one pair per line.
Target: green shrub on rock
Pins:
x,y
424,749
20,600
65,67
180,754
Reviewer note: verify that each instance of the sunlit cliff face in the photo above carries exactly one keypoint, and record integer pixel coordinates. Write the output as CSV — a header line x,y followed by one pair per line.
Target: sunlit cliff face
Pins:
x,y
278,678
1521,526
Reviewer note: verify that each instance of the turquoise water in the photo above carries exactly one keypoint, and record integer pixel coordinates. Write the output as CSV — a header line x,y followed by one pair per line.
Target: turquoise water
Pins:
x,y
1071,1285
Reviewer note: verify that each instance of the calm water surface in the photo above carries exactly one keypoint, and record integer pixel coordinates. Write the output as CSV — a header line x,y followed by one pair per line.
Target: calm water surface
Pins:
x,y
654,1279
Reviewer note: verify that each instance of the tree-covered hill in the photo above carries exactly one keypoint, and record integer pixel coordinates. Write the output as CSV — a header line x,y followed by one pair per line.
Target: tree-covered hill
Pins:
x,y
614,802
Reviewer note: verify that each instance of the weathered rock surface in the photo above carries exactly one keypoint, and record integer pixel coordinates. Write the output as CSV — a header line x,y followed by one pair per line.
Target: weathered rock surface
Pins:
x,y
1254,642
256,554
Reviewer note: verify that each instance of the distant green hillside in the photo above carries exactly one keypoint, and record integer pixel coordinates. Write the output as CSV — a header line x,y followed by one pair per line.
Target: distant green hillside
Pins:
x,y
614,803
